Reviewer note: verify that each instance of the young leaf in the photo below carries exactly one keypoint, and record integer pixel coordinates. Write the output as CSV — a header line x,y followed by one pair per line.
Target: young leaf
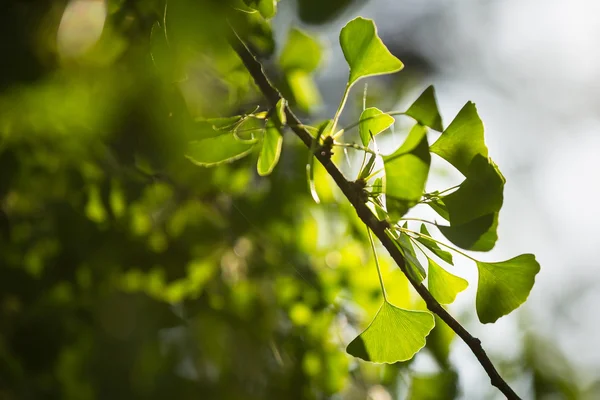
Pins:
x,y
271,149
217,150
437,204
425,110
413,265
394,335
406,172
433,246
504,286
280,112
368,168
443,285
372,122
365,52
463,140
479,234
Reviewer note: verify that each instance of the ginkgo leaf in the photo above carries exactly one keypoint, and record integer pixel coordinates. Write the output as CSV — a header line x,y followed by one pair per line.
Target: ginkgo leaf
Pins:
x,y
372,122
216,150
504,286
462,140
303,88
425,110
280,112
433,246
443,285
394,335
479,234
365,52
271,149
437,204
406,173
480,194
368,167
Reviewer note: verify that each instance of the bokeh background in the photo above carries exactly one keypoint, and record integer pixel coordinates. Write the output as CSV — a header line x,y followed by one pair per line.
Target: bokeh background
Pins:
x,y
128,272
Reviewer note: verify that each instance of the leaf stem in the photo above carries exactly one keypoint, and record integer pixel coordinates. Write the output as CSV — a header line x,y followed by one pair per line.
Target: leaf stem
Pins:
x,y
418,220
439,242
377,265
340,108
356,147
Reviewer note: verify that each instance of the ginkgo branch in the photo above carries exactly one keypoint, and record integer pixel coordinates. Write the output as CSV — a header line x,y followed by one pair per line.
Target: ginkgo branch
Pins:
x,y
272,95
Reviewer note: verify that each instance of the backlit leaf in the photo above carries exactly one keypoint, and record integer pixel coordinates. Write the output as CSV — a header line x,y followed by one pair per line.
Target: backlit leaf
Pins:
x,y
394,335
443,285
406,173
301,52
365,52
479,234
504,286
271,149
425,110
434,247
413,265
372,122
463,140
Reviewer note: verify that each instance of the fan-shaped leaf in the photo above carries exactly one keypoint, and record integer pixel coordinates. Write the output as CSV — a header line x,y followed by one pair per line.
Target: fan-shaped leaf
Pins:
x,y
504,286
406,173
463,140
394,335
479,234
372,122
443,285
425,110
365,52
271,149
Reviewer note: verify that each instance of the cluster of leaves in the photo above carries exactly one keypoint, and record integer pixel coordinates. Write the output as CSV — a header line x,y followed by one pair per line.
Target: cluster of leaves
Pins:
x,y
470,210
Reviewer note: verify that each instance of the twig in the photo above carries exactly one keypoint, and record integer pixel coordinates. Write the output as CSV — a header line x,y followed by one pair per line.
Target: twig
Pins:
x,y
378,227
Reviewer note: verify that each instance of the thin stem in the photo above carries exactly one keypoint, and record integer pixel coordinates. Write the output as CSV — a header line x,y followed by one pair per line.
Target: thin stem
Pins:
x,y
377,264
418,220
347,128
439,242
340,107
356,147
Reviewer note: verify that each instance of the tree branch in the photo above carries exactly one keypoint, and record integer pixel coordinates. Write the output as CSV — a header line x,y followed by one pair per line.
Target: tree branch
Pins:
x,y
255,69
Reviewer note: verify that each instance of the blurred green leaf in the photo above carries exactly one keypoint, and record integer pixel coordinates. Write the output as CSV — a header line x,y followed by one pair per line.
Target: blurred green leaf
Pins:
x,y
504,286
217,150
394,335
365,52
425,110
300,52
271,149
443,285
373,121
440,386
433,246
406,173
462,141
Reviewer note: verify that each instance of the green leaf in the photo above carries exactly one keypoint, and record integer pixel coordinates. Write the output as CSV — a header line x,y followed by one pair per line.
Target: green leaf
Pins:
x,y
433,246
425,110
504,286
301,52
372,122
463,140
413,265
406,173
439,207
266,8
479,234
304,90
394,335
443,285
480,194
271,149
365,52
217,150
439,341
439,386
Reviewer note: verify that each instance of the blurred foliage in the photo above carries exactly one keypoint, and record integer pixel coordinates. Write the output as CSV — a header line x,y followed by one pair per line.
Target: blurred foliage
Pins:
x,y
128,272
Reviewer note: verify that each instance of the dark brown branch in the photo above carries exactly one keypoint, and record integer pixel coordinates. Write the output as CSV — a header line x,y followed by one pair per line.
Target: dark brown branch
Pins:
x,y
273,96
